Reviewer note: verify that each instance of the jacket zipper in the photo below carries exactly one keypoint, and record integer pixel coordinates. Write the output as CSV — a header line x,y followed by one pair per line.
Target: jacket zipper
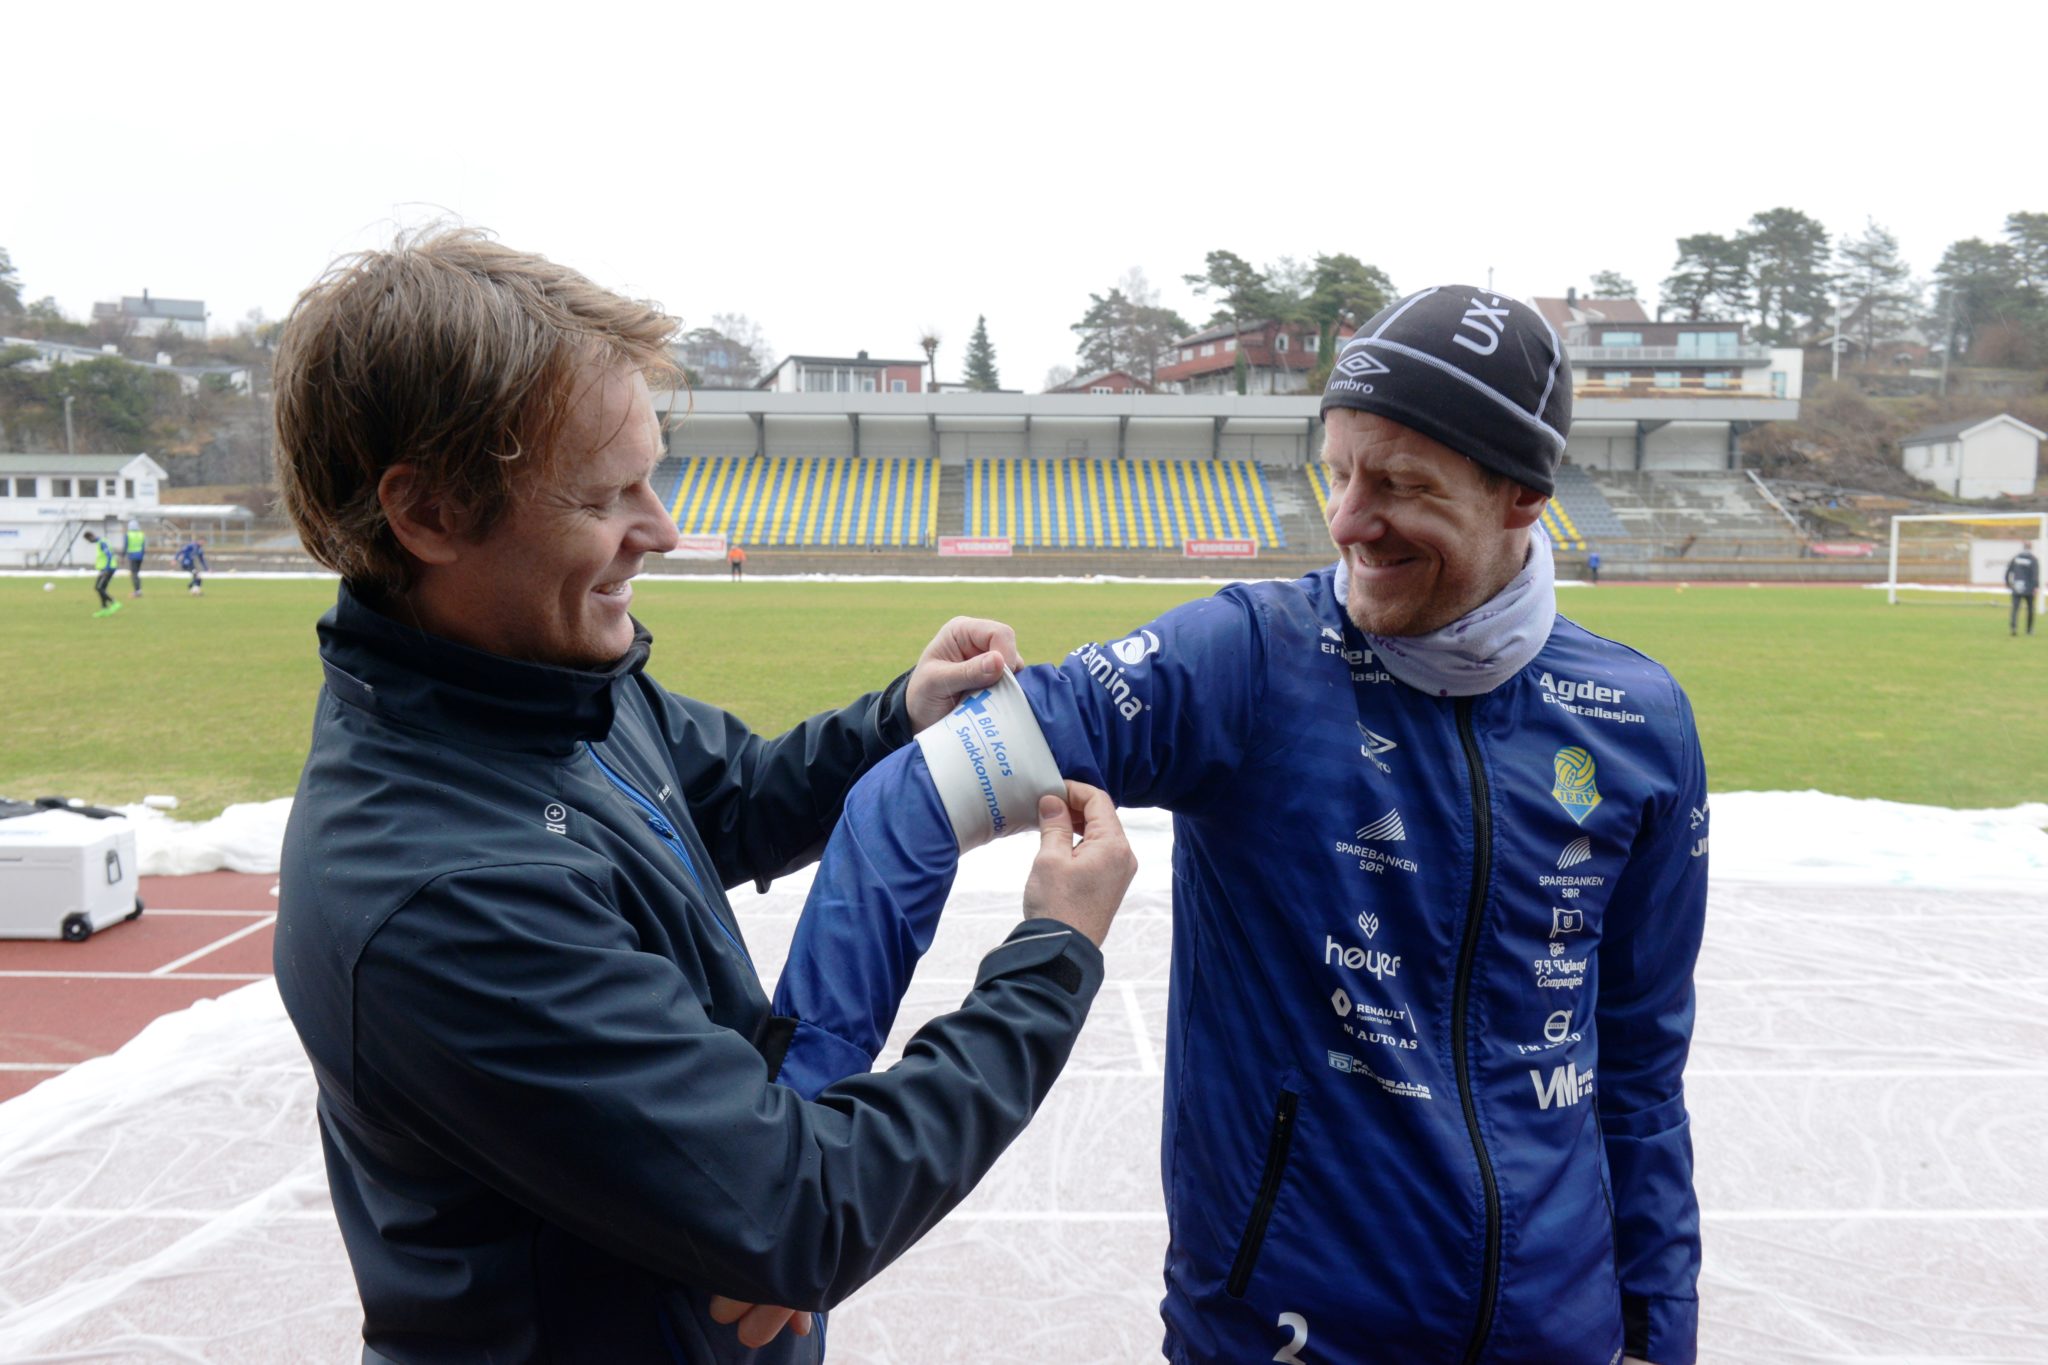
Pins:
x,y
666,832
1461,1001
1269,1190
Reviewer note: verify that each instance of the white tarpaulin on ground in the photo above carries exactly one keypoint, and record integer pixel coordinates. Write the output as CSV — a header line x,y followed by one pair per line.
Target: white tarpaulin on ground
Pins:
x,y
1869,1089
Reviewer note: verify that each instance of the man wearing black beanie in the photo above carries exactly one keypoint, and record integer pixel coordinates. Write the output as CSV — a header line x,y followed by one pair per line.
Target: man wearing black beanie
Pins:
x,y
1439,882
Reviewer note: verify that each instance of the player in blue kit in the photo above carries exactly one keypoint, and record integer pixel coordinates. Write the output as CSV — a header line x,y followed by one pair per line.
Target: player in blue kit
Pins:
x,y
1439,881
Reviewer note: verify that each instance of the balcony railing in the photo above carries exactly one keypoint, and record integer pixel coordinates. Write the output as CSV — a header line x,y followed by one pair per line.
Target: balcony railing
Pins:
x,y
1748,353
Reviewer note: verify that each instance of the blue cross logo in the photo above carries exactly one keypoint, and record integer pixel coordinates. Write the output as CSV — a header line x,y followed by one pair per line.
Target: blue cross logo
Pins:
x,y
978,703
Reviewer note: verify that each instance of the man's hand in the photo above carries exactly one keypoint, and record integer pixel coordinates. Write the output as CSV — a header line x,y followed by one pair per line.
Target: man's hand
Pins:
x,y
966,655
1082,884
759,1322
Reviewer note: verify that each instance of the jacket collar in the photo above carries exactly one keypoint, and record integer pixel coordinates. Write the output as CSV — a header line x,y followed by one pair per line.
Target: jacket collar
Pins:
x,y
430,683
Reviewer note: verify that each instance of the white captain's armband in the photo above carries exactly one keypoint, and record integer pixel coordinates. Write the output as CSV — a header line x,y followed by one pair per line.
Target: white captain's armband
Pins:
x,y
990,763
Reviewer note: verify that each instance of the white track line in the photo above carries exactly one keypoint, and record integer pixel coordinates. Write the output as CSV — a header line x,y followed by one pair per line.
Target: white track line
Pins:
x,y
216,945
1141,1037
133,976
37,1066
196,914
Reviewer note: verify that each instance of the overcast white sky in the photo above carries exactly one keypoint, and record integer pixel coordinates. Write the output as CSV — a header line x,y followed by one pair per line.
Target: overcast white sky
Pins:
x,y
848,174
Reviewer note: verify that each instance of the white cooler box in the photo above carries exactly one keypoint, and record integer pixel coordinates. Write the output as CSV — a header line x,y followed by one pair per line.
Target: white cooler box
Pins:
x,y
63,875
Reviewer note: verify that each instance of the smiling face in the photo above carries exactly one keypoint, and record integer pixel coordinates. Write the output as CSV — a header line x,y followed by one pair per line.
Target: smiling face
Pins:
x,y
1423,536
550,582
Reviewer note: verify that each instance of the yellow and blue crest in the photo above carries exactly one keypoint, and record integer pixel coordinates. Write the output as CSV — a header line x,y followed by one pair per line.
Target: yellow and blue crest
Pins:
x,y
1575,790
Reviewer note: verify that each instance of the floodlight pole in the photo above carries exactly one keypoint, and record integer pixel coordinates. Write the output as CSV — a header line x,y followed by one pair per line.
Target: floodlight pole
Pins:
x,y
70,447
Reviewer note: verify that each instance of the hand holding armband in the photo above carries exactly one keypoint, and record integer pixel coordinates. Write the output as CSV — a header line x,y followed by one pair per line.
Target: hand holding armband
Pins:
x,y
990,763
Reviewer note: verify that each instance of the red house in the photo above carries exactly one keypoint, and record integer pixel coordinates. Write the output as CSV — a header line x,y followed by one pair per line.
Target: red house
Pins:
x,y
1278,357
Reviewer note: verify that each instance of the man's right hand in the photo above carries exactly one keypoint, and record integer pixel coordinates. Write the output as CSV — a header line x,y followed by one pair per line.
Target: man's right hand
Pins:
x,y
1079,884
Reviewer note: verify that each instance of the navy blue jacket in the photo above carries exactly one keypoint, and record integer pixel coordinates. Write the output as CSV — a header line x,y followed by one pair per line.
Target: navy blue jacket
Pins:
x,y
1431,988
543,1053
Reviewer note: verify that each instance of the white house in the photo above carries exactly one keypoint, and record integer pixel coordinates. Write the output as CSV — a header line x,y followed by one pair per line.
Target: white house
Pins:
x,y
48,501
1980,457
148,317
50,354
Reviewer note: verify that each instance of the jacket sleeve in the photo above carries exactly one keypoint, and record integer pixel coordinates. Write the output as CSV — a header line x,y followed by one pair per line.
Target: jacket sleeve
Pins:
x,y
518,1032
1645,1014
765,806
1153,724
1163,716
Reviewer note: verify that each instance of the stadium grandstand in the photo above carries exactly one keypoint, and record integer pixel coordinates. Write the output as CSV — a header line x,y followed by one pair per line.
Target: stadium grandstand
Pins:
x,y
1119,504
814,502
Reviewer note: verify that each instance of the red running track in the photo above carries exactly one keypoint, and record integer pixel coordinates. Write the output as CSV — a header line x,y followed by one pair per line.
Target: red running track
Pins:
x,y
62,1003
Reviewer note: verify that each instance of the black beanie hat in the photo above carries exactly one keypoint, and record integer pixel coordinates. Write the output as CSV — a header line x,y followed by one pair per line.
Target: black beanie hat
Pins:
x,y
1478,371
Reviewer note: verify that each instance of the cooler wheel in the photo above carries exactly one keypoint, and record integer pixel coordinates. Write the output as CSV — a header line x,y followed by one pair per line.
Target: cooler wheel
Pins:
x,y
77,928
136,913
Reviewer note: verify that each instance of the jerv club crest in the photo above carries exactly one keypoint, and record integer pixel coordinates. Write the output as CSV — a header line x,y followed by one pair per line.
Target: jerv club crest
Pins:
x,y
1575,790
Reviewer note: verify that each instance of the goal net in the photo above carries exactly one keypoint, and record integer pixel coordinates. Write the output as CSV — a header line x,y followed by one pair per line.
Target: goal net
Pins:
x,y
1960,558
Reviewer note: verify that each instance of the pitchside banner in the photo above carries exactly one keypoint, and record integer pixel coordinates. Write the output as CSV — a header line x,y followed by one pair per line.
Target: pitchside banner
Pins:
x,y
698,547
974,545
1220,549
1842,549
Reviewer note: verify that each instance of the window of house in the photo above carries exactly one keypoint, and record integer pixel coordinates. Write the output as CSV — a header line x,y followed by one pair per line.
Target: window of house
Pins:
x,y
1187,353
898,386
1667,379
1621,338
1717,379
1230,344
1777,384
867,383
24,488
1706,345
1314,342
1280,342
60,488
1615,379
817,381
1102,388
1208,348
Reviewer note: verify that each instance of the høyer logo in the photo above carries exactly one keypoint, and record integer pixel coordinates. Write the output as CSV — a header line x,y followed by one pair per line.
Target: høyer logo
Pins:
x,y
556,817
1578,851
1388,827
1488,322
1575,789
1381,965
1374,746
1567,1086
1132,651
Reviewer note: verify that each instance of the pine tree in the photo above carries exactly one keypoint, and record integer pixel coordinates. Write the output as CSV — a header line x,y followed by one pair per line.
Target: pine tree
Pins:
x,y
1788,262
981,360
1877,280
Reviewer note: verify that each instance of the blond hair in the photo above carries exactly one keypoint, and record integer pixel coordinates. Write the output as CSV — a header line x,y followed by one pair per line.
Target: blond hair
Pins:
x,y
448,352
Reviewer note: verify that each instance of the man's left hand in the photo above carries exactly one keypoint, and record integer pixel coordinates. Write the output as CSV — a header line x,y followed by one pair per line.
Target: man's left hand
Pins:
x,y
966,655
759,1323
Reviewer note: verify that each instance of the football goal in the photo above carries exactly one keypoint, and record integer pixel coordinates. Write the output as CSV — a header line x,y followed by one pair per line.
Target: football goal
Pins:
x,y
1960,557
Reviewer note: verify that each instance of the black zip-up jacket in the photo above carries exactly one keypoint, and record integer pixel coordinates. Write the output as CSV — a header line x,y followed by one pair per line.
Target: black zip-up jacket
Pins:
x,y
542,1050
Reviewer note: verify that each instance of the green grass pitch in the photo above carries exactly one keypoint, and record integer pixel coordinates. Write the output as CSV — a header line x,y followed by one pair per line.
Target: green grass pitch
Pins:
x,y
210,698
